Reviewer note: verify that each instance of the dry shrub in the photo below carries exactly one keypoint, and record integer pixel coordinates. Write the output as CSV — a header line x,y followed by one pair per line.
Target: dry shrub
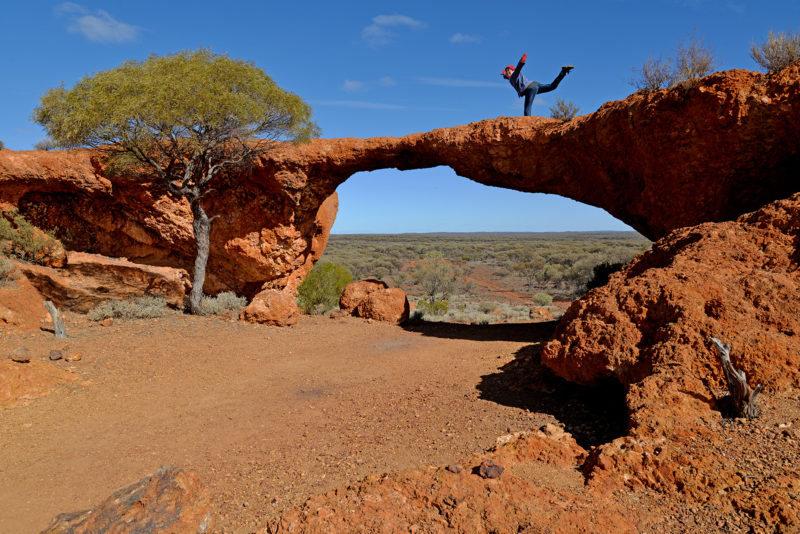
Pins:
x,y
146,307
7,271
20,238
780,51
223,302
563,110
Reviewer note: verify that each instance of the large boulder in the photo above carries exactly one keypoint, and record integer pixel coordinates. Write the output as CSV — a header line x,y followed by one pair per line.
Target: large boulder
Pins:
x,y
169,500
374,299
389,305
355,292
88,280
272,307
708,150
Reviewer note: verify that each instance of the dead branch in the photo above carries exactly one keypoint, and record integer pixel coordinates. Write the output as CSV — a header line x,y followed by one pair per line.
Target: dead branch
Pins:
x,y
743,398
58,322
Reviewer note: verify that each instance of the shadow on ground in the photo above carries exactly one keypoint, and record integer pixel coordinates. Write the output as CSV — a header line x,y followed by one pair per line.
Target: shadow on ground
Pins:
x,y
531,332
593,415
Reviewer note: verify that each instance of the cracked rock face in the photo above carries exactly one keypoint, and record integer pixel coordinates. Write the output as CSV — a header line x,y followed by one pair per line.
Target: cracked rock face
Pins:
x,y
706,151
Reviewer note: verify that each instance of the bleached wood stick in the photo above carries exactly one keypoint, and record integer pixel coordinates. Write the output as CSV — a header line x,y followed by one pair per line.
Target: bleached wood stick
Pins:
x,y
743,396
58,322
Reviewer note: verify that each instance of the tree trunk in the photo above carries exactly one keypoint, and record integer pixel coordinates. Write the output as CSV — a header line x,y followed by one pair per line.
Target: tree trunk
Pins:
x,y
742,397
58,323
202,231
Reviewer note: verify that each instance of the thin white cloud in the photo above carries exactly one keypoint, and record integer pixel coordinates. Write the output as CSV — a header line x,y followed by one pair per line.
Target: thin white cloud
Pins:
x,y
361,104
352,86
98,26
464,38
455,82
387,81
737,8
379,33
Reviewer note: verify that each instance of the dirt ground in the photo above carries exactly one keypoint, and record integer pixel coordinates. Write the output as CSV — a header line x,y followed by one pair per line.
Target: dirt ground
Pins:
x,y
268,416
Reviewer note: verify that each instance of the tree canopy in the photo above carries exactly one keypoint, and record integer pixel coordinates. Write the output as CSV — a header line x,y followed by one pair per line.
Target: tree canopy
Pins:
x,y
188,116
196,96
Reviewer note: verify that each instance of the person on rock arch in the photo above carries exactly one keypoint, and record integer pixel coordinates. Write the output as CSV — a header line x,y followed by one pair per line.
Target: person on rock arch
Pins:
x,y
527,88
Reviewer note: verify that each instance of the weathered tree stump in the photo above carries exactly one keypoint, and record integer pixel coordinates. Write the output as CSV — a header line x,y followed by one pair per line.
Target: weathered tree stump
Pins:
x,y
742,397
58,322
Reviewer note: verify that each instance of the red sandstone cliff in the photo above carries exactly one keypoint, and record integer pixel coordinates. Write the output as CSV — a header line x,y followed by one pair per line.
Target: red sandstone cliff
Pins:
x,y
706,151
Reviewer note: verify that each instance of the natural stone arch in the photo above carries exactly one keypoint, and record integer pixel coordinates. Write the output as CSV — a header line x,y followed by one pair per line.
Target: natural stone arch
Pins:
x,y
706,151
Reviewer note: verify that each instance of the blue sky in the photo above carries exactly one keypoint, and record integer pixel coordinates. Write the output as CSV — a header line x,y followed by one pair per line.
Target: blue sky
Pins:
x,y
390,69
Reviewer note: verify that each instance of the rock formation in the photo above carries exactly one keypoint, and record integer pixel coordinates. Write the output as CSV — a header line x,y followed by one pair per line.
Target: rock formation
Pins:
x,y
169,500
87,280
649,328
374,299
708,150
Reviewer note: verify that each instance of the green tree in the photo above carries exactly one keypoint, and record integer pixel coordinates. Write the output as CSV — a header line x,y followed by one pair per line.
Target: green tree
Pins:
x,y
780,51
188,117
323,287
438,278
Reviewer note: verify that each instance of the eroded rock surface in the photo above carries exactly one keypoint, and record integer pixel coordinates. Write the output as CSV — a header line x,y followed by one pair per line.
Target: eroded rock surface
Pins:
x,y
650,327
706,151
88,280
169,500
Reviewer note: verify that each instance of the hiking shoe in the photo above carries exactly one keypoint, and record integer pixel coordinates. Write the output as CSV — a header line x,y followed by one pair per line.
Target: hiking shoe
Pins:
x,y
567,68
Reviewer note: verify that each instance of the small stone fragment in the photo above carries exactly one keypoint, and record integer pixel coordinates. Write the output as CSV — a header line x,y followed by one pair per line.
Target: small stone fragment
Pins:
x,y
21,355
454,468
56,355
73,357
108,321
490,469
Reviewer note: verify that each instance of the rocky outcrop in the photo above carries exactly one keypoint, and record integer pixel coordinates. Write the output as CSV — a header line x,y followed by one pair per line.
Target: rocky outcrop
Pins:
x,y
87,280
708,150
538,490
649,328
737,281
169,500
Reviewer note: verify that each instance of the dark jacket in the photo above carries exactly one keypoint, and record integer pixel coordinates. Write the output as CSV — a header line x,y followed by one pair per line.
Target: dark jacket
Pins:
x,y
518,81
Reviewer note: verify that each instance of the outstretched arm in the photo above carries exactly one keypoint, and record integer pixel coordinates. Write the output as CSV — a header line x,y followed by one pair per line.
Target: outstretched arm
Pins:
x,y
518,70
522,61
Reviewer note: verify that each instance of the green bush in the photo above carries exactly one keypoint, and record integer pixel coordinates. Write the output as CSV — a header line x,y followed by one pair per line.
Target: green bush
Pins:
x,y
223,302
433,307
778,52
563,110
542,299
320,291
146,307
25,240
7,270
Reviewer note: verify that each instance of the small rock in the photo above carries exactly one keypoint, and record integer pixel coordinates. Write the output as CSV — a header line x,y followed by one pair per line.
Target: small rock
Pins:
x,y
21,355
73,357
56,355
552,431
454,468
490,469
108,321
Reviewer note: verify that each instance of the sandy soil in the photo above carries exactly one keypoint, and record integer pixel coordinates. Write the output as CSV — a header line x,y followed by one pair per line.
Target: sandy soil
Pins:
x,y
267,416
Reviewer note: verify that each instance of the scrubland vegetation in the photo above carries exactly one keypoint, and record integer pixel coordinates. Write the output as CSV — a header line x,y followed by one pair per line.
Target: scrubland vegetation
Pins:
x,y
477,277
779,51
20,238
